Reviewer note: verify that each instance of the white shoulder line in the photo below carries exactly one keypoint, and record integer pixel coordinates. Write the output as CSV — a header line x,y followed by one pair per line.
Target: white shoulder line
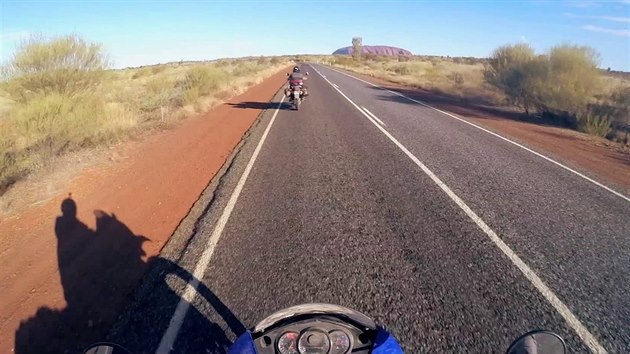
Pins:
x,y
587,337
493,133
168,339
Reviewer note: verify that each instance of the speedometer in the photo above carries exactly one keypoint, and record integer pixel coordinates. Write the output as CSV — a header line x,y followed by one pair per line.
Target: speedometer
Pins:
x,y
287,344
340,342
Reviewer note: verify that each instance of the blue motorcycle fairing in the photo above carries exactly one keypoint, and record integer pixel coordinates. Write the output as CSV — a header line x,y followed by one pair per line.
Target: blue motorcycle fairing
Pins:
x,y
385,343
243,345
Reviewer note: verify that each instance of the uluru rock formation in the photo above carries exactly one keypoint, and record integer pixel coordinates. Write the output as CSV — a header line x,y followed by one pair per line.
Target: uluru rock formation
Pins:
x,y
375,49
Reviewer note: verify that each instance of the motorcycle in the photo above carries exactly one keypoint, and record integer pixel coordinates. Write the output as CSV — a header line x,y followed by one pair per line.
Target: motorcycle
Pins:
x,y
296,92
333,329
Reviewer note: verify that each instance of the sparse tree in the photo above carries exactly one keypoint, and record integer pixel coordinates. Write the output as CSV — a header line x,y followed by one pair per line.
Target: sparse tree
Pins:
x,y
571,79
507,71
561,82
357,47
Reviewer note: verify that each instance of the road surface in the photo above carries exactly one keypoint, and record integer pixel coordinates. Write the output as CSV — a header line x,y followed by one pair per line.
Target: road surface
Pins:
x,y
453,238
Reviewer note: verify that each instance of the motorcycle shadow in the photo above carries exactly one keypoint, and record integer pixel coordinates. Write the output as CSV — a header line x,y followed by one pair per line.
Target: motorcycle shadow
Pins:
x,y
262,105
101,271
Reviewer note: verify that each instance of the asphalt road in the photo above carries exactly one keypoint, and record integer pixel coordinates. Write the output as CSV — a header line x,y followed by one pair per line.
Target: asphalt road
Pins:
x,y
333,210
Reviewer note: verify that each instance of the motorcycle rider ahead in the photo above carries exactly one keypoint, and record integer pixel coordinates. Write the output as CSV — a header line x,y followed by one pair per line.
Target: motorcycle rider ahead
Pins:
x,y
297,76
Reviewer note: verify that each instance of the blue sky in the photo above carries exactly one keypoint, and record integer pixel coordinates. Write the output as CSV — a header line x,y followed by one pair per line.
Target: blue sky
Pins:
x,y
135,33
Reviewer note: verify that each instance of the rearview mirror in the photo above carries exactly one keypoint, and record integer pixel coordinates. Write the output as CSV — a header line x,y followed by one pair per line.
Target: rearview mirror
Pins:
x,y
538,342
105,348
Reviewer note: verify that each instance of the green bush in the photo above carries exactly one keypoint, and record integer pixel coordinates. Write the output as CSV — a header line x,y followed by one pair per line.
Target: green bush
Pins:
x,y
59,122
190,95
594,123
66,65
561,82
204,79
507,71
56,110
244,68
570,81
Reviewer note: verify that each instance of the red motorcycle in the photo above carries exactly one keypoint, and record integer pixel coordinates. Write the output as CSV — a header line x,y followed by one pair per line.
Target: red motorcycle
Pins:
x,y
296,91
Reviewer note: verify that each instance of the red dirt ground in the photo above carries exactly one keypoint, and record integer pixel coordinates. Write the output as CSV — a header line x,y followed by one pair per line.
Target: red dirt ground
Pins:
x,y
151,190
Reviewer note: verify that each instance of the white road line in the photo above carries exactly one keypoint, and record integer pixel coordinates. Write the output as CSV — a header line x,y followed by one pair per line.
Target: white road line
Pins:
x,y
495,134
373,116
169,337
335,85
589,339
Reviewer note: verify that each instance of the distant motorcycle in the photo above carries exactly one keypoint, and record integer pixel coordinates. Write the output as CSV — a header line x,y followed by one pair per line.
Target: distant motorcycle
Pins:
x,y
296,91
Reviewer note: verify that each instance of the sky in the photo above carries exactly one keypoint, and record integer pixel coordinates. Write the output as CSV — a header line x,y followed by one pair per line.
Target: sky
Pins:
x,y
135,33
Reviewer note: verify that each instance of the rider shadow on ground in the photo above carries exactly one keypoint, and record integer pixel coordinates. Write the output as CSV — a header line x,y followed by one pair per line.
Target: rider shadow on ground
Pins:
x,y
100,270
261,105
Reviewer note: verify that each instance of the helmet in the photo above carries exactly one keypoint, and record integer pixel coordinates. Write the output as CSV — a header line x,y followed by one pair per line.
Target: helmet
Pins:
x,y
69,207
296,69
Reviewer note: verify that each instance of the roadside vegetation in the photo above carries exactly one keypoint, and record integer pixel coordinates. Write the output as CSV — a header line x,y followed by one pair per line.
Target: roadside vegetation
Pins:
x,y
59,95
563,85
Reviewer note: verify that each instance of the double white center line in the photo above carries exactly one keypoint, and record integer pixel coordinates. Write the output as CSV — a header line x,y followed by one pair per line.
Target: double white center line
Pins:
x,y
373,116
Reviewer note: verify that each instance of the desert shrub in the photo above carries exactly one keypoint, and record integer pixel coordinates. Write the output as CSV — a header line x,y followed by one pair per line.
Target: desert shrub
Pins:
x,y
66,65
620,98
244,68
561,82
142,72
275,61
457,78
343,61
64,99
595,123
205,79
190,96
402,69
571,78
222,63
53,82
370,56
58,122
157,69
433,74
506,71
